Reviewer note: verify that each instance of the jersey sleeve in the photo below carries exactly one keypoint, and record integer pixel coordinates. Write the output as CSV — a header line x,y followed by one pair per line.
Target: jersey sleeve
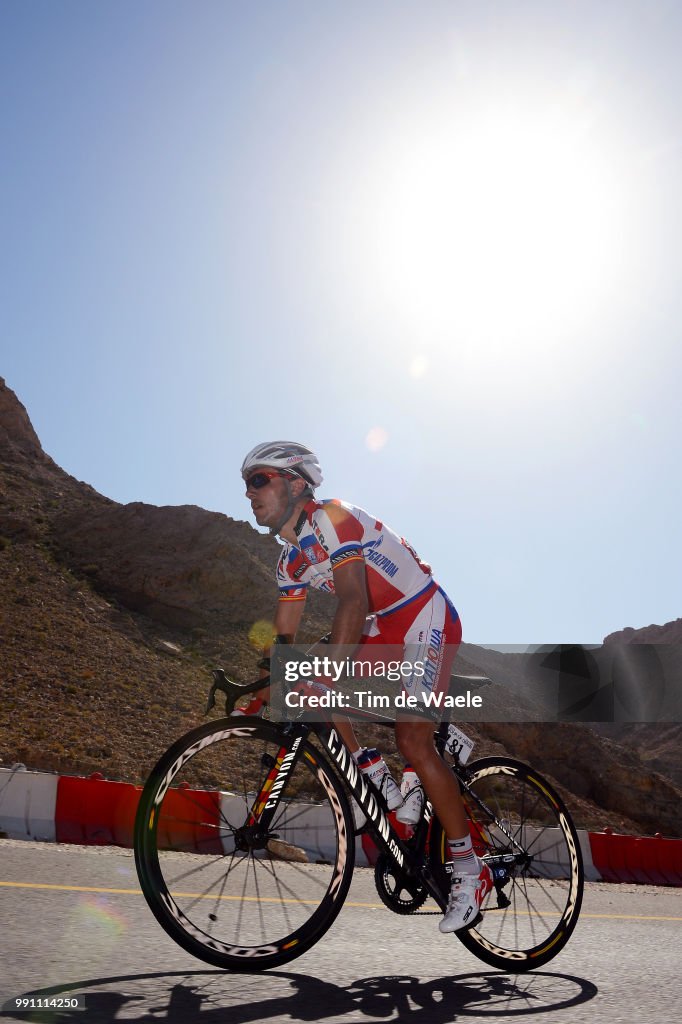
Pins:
x,y
290,589
339,532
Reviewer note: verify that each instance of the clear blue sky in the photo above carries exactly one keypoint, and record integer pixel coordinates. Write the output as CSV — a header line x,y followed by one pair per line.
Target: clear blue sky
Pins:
x,y
439,242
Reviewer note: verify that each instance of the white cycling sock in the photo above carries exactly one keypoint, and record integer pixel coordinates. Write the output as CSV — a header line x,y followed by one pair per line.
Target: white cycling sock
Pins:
x,y
463,857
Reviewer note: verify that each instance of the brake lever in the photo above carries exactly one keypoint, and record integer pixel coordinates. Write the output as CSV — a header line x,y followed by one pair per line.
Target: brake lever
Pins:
x,y
221,682
233,691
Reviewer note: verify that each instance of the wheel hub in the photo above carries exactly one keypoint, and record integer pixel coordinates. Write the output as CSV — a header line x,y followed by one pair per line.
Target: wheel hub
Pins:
x,y
251,837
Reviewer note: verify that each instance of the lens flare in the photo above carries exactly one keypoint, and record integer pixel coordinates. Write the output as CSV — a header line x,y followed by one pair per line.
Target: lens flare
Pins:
x,y
418,367
376,439
96,910
261,634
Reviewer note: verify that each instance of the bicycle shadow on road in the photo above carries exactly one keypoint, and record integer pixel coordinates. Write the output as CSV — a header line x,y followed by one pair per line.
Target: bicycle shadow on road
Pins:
x,y
210,997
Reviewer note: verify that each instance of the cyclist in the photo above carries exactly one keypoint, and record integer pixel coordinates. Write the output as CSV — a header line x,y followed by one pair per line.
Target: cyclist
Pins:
x,y
385,595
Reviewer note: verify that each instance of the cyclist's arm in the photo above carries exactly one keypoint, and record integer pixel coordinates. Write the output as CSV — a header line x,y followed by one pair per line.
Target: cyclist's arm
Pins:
x,y
288,615
350,587
352,606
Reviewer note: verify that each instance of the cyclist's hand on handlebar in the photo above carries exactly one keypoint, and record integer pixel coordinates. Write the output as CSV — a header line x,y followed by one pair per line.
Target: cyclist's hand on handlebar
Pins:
x,y
250,704
253,703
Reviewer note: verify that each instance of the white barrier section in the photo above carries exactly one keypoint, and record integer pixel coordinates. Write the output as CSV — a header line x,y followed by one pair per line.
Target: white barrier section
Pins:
x,y
548,847
27,804
310,827
591,872
232,810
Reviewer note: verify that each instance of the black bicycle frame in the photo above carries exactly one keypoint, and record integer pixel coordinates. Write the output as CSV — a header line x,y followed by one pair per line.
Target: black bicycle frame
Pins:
x,y
366,795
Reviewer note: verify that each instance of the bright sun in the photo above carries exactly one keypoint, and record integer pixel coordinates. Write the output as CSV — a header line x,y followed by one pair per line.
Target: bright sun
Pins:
x,y
498,226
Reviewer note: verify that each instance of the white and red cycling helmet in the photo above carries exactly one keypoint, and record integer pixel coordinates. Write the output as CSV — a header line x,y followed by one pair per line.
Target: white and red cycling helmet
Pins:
x,y
288,456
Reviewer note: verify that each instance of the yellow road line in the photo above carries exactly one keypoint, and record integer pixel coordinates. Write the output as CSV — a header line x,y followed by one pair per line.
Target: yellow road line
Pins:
x,y
177,895
276,899
68,888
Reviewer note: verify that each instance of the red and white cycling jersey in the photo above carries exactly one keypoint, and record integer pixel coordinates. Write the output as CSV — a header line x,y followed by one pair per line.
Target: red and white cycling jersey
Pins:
x,y
408,609
332,532
406,605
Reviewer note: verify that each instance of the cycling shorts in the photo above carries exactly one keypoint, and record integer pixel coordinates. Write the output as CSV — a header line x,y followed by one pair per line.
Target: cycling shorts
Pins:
x,y
426,632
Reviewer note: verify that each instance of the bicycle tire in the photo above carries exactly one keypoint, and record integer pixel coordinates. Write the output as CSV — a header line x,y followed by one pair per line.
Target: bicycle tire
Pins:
x,y
242,910
526,819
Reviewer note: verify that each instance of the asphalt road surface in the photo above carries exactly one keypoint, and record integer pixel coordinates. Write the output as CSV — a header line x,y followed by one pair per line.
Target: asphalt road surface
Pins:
x,y
74,924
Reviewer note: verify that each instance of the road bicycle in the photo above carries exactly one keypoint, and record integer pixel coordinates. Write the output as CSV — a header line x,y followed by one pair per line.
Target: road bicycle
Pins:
x,y
246,836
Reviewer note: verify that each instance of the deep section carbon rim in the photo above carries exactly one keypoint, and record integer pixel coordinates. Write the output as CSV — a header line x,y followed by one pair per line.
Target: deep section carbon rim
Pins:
x,y
521,828
225,890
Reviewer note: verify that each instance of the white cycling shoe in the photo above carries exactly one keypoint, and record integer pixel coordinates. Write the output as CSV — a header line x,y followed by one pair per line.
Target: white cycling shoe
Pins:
x,y
467,893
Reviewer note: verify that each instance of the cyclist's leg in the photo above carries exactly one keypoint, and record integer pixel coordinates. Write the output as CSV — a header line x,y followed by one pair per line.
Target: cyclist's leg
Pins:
x,y
425,633
433,638
415,742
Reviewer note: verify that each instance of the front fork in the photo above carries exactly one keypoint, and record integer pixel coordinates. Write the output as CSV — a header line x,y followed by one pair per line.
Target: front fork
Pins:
x,y
257,830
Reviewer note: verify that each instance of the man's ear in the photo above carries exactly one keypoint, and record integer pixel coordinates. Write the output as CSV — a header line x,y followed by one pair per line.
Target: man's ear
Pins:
x,y
298,487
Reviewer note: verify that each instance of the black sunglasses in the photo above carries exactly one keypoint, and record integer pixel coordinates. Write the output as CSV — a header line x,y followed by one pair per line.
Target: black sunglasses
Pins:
x,y
260,479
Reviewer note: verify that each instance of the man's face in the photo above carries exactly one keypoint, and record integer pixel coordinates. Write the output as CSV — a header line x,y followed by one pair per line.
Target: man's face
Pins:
x,y
269,503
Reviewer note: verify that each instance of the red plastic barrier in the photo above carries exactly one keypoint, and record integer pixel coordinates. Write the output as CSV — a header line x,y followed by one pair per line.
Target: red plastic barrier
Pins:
x,y
95,812
669,859
101,813
645,860
608,856
641,857
190,821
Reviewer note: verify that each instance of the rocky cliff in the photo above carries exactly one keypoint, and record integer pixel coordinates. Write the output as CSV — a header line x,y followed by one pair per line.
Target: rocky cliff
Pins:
x,y
110,615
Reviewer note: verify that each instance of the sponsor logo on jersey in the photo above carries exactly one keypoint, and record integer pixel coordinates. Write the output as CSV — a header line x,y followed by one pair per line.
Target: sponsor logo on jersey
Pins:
x,y
318,533
382,562
312,551
341,556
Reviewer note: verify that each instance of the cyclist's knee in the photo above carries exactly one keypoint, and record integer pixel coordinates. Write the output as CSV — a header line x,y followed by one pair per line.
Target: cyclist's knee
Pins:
x,y
415,740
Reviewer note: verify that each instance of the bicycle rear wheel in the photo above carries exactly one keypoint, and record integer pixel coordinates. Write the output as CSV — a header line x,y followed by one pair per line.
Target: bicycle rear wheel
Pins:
x,y
233,896
522,829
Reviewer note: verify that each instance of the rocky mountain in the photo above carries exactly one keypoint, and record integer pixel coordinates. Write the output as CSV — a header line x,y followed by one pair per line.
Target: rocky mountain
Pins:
x,y
670,633
658,746
111,615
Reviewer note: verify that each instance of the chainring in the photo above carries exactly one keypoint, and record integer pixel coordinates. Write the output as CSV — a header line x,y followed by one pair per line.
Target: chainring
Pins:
x,y
400,893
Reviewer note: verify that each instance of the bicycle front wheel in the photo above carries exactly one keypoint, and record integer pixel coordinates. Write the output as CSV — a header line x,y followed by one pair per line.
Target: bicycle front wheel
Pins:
x,y
520,826
233,895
